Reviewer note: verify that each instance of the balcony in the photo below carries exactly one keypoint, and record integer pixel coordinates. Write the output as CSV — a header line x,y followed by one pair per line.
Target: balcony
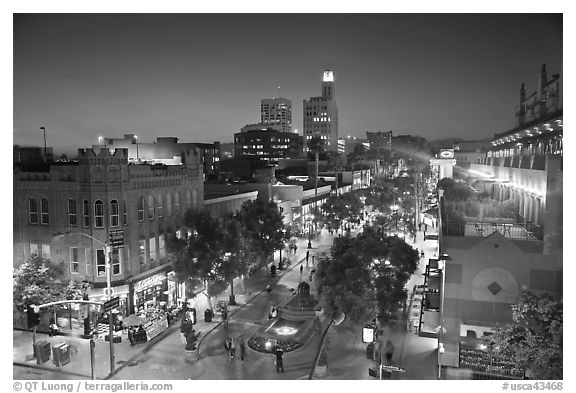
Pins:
x,y
513,231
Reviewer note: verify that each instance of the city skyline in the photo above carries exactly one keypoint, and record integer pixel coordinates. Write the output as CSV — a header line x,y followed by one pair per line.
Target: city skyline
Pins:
x,y
200,77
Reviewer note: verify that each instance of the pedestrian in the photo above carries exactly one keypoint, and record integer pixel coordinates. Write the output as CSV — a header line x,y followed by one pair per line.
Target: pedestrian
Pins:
x,y
313,258
242,346
232,348
278,353
419,226
422,254
227,348
307,255
424,238
425,227
389,351
295,248
302,268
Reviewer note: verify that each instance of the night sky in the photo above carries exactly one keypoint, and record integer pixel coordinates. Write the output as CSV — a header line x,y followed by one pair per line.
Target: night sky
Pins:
x,y
200,77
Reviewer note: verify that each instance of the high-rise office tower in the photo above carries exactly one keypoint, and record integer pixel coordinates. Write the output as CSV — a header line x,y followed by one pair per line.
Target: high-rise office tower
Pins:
x,y
321,114
276,112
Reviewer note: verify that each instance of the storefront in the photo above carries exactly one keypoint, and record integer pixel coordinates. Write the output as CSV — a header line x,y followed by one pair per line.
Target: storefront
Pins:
x,y
120,291
149,289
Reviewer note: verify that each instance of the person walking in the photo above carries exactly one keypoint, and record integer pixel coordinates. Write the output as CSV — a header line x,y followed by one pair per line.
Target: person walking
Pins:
x,y
419,226
307,256
295,248
242,347
227,348
301,269
313,258
278,354
232,348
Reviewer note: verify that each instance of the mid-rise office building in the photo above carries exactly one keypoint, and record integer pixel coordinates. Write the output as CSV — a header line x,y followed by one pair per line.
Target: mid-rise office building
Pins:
x,y
276,112
321,114
266,143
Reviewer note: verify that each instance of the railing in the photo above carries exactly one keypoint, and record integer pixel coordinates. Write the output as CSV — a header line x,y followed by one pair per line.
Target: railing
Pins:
x,y
484,229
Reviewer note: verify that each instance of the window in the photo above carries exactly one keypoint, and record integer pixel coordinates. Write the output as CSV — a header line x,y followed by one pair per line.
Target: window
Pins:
x,y
141,209
160,206
46,251
142,251
188,199
125,210
44,211
195,198
34,249
88,256
100,263
98,214
86,213
177,202
115,259
150,207
161,246
74,263
32,211
168,204
72,214
114,213
152,248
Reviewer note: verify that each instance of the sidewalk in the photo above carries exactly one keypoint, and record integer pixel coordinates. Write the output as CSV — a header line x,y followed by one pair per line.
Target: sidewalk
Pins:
x,y
124,354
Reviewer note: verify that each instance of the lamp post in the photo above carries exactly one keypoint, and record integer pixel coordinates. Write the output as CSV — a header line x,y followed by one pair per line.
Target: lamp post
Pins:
x,y
107,250
337,320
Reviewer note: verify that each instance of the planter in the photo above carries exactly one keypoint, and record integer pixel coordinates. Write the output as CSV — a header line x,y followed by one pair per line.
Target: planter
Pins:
x,y
321,371
191,356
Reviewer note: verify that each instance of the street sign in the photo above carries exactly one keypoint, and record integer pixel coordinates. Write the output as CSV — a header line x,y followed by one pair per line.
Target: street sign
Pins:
x,y
116,238
393,368
111,304
368,334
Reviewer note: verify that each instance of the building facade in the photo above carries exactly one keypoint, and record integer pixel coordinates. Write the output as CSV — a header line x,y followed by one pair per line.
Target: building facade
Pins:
x,y
166,150
69,213
276,112
266,143
321,114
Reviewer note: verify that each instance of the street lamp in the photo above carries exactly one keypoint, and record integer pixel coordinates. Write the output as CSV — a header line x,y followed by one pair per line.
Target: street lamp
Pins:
x,y
107,250
337,320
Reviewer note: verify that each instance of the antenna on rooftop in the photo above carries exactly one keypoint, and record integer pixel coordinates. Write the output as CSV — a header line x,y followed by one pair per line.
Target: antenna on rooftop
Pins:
x,y
279,95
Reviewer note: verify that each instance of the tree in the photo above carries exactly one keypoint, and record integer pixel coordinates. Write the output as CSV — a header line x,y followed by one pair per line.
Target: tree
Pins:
x,y
357,280
263,229
38,281
534,341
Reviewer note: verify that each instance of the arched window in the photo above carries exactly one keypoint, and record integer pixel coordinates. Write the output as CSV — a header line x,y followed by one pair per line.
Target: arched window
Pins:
x,y
150,207
177,202
98,214
44,217
114,213
86,213
168,204
141,204
160,206
72,214
32,211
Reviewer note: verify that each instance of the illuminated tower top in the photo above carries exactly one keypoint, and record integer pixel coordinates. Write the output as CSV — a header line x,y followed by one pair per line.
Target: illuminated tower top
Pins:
x,y
328,84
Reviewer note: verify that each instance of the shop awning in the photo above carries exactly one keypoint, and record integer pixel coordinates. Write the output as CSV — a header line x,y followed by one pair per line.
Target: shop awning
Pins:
x,y
150,272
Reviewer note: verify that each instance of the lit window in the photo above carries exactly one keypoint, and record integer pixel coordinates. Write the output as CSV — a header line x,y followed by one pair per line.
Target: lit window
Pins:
x,y
188,199
142,251
161,246
141,203
98,214
150,207
45,219
32,211
88,257
177,202
160,206
74,263
115,260
152,248
168,204
72,214
114,213
100,263
46,251
125,212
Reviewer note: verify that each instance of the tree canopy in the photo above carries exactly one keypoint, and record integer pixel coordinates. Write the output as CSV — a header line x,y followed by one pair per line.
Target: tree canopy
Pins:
x,y
534,340
39,281
364,277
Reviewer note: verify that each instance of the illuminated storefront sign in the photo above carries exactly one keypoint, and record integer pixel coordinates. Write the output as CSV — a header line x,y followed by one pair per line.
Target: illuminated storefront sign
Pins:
x,y
156,279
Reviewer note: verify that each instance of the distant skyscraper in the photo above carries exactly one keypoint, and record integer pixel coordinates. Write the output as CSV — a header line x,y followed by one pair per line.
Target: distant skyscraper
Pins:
x,y
321,114
276,112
